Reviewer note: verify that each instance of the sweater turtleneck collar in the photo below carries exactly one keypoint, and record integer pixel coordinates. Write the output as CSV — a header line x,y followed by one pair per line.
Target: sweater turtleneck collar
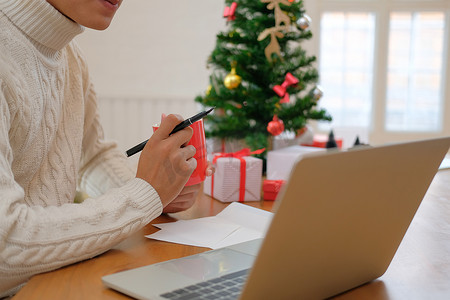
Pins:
x,y
41,22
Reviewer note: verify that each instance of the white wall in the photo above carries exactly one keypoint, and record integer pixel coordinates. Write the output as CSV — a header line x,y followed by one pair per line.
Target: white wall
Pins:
x,y
155,53
154,48
152,60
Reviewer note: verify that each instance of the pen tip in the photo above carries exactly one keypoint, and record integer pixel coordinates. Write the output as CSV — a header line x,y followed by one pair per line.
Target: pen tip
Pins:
x,y
209,110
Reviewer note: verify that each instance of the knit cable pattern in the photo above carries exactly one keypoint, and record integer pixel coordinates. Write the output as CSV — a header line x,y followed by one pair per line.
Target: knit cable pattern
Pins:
x,y
51,143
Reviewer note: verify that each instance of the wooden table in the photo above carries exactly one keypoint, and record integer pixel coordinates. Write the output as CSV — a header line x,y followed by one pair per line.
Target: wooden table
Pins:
x,y
419,270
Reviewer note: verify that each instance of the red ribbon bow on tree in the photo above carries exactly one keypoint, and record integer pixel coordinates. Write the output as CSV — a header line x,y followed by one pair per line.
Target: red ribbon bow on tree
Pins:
x,y
239,155
229,11
290,80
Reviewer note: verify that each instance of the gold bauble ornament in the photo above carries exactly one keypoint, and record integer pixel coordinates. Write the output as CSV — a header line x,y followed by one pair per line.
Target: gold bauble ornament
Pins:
x,y
208,90
232,80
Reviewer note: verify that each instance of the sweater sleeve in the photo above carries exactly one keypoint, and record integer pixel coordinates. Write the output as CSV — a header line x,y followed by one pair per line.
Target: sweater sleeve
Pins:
x,y
103,166
36,239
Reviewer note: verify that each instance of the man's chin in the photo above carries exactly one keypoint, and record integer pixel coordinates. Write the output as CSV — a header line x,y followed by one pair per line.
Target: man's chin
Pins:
x,y
101,25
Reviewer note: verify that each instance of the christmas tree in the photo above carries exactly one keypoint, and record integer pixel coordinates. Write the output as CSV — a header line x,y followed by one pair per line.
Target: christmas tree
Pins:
x,y
262,81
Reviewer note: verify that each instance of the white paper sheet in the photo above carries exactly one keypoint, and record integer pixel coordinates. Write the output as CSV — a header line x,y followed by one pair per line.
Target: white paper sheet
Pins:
x,y
235,224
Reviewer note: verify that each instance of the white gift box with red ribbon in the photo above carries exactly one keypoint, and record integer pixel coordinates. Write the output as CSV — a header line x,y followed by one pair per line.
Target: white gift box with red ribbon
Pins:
x,y
235,179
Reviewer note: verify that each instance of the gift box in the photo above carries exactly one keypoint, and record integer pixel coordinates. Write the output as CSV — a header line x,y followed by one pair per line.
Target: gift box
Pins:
x,y
280,162
235,178
271,188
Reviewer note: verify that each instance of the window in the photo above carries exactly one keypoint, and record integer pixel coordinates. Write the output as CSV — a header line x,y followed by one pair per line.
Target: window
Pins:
x,y
415,60
384,65
346,68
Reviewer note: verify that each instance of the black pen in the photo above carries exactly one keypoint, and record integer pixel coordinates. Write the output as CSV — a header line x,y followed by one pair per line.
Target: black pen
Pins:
x,y
180,126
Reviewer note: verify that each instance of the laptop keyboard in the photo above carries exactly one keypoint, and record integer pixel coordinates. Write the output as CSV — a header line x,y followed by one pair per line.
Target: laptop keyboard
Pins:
x,y
224,287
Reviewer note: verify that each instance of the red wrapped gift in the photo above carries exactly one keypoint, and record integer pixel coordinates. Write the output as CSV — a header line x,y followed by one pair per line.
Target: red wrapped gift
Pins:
x,y
271,188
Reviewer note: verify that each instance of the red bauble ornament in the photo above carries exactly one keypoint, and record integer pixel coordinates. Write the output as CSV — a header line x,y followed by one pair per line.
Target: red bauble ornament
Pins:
x,y
276,126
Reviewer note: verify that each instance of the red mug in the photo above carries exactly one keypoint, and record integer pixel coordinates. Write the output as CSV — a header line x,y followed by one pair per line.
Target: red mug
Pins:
x,y
198,140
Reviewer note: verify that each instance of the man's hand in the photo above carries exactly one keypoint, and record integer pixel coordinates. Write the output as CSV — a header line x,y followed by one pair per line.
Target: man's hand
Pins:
x,y
185,199
188,195
166,162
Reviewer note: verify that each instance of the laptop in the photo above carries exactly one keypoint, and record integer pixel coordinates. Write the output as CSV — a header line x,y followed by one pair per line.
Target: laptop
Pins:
x,y
337,224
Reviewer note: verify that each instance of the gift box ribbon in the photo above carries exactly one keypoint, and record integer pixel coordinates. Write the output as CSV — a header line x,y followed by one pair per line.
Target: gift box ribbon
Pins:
x,y
243,166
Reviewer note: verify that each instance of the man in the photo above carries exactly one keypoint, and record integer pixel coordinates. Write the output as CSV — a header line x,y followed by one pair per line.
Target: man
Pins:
x,y
52,143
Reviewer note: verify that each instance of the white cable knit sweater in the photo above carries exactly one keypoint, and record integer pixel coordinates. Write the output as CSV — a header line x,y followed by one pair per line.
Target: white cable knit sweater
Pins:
x,y
50,142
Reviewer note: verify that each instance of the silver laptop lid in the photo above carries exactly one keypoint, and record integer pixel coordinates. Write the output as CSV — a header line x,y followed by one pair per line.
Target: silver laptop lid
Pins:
x,y
341,218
